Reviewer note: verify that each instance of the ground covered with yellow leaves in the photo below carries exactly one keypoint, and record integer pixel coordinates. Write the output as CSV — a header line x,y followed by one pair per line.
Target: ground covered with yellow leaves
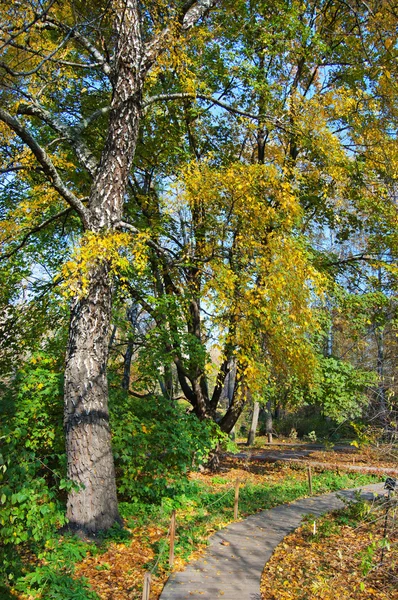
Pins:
x,y
118,573
113,566
347,558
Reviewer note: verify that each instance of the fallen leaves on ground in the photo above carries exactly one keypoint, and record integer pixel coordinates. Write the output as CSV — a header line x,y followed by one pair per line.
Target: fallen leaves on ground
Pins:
x,y
367,457
327,567
118,574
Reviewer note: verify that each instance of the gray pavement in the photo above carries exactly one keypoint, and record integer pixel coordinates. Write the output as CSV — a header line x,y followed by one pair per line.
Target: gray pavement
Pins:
x,y
233,563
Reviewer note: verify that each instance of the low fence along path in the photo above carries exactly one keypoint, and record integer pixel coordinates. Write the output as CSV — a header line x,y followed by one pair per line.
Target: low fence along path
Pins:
x,y
232,565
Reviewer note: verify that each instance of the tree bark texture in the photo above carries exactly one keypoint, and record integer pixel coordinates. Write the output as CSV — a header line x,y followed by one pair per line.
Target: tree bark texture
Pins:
x,y
254,423
93,506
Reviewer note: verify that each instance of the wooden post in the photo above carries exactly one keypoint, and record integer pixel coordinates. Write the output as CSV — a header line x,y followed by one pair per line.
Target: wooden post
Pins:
x,y
147,586
236,503
172,538
309,479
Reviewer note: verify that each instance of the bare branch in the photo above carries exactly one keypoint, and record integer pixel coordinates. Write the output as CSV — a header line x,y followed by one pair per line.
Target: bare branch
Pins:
x,y
38,17
58,61
46,163
164,252
39,66
93,117
85,43
191,13
196,11
351,259
185,96
12,169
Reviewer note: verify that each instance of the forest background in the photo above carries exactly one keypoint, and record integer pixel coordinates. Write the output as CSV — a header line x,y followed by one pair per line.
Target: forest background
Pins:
x,y
198,214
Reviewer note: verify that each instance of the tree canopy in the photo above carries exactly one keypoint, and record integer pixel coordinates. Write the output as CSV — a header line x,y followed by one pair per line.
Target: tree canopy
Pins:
x,y
207,192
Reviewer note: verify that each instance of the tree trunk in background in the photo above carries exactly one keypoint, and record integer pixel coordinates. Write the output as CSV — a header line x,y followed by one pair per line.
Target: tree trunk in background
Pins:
x,y
230,393
268,422
127,366
166,383
254,423
239,399
132,315
381,393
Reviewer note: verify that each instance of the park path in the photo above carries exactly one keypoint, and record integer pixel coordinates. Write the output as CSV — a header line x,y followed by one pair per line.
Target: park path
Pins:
x,y
302,454
233,563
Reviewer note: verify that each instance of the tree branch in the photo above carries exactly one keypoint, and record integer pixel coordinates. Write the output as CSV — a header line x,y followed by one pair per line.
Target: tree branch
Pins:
x,y
38,17
39,227
195,11
70,134
83,41
163,251
350,259
13,73
93,117
191,13
185,96
208,98
46,163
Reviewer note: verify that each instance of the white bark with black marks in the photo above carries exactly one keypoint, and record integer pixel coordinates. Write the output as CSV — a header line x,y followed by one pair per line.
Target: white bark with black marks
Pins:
x,y
93,506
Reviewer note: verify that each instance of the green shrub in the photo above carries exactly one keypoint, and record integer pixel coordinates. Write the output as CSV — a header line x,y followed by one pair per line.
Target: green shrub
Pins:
x,y
54,576
155,444
32,461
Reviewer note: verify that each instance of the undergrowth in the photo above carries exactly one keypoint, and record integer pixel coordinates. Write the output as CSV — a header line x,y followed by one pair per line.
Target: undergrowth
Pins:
x,y
205,506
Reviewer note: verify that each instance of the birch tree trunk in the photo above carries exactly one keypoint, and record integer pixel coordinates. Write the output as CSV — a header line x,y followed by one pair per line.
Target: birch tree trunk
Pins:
x,y
88,440
93,506
254,423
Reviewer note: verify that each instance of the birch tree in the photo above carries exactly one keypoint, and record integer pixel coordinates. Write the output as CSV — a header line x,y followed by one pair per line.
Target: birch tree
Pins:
x,y
51,54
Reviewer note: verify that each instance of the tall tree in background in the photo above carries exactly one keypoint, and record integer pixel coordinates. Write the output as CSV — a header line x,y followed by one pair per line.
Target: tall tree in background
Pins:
x,y
310,96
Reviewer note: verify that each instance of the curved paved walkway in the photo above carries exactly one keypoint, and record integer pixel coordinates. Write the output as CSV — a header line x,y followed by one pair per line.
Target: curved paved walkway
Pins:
x,y
232,565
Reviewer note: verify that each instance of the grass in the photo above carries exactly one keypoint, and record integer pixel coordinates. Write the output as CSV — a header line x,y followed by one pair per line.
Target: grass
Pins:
x,y
114,567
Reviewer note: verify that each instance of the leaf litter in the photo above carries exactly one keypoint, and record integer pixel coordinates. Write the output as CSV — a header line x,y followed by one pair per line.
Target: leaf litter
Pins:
x,y
340,561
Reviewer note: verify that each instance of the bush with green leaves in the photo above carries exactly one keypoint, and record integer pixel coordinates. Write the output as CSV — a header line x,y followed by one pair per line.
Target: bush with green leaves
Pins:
x,y
338,396
32,459
155,444
340,390
54,574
